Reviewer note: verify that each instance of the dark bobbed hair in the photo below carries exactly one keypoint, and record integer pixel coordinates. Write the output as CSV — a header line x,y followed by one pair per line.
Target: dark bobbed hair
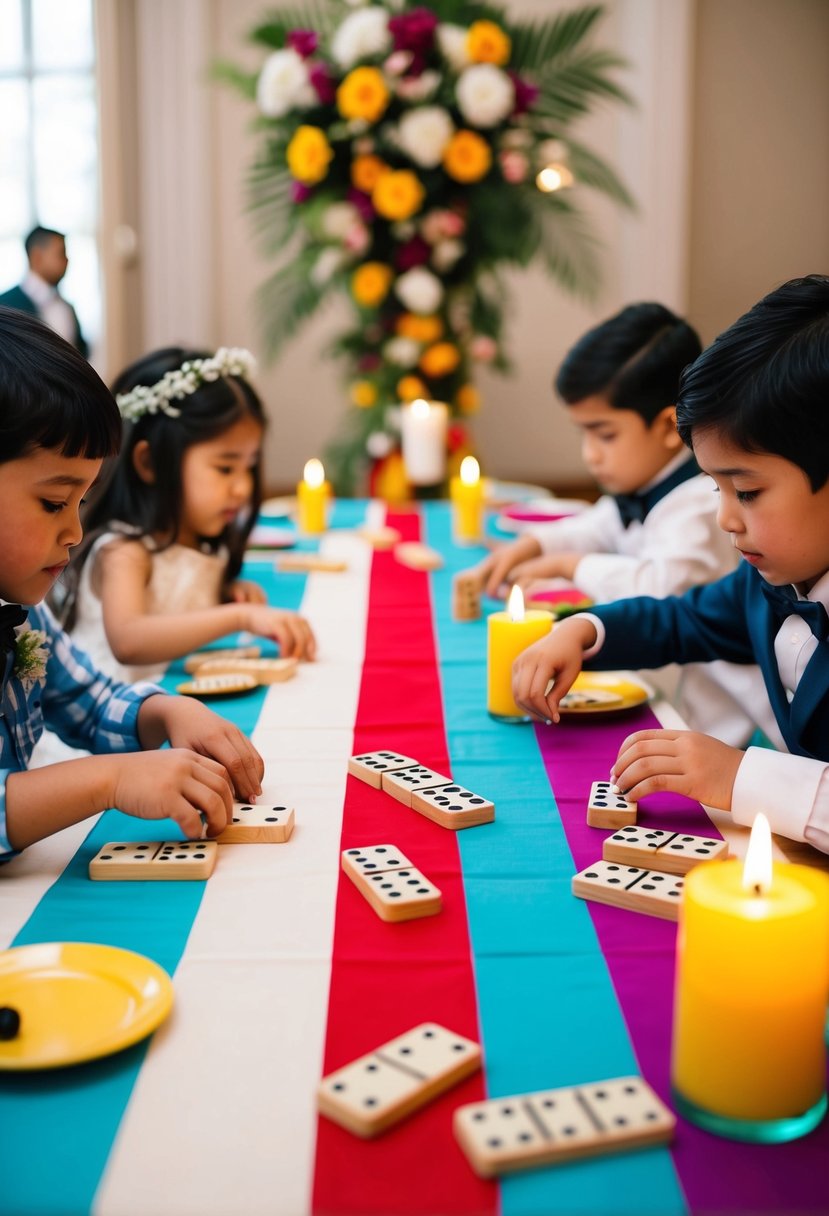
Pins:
x,y
764,382
634,360
50,397
40,236
155,510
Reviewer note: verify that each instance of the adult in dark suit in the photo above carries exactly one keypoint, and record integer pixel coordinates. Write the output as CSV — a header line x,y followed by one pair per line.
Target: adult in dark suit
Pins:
x,y
754,407
38,293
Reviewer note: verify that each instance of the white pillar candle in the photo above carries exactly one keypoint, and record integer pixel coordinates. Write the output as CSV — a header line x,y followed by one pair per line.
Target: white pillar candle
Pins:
x,y
423,431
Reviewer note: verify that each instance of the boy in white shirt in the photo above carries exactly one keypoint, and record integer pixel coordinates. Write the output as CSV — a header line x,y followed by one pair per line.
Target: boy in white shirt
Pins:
x,y
754,407
654,531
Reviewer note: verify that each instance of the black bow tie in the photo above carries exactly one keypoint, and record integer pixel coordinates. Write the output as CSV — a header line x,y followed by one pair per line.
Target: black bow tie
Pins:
x,y
785,603
633,508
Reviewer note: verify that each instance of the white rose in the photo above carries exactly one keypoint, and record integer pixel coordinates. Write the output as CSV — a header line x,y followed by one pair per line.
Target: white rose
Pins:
x,y
402,352
452,43
339,219
362,35
424,133
446,253
485,94
283,84
379,444
419,290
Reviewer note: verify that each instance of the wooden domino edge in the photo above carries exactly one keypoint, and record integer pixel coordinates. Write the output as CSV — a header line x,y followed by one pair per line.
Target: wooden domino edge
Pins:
x,y
455,821
194,687
194,661
264,671
388,913
100,872
417,556
260,833
661,859
367,1128
300,563
628,901
610,819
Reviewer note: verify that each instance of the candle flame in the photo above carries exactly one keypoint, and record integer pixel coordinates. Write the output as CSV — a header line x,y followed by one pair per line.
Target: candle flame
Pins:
x,y
314,474
515,604
420,408
757,869
470,471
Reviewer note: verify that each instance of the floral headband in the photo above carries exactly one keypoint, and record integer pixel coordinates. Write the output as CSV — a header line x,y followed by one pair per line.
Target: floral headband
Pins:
x,y
184,380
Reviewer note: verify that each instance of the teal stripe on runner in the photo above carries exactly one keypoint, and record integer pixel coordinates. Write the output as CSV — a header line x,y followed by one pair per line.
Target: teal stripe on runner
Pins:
x,y
57,1127
549,1015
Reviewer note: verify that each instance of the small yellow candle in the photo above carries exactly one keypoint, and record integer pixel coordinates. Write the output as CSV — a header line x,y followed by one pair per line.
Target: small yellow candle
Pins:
x,y
508,633
751,988
313,493
467,495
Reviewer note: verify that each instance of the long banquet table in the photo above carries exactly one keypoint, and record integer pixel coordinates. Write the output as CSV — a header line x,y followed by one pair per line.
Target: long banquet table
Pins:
x,y
282,972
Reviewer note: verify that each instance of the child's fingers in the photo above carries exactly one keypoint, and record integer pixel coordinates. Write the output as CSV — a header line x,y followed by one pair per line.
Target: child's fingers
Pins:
x,y
628,752
204,800
235,752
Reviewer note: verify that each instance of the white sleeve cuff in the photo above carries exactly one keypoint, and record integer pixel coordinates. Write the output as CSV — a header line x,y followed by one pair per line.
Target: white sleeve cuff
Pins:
x,y
601,634
782,786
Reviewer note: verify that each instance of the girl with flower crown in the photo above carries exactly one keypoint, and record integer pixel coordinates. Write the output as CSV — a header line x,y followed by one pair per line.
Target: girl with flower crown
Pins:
x,y
157,575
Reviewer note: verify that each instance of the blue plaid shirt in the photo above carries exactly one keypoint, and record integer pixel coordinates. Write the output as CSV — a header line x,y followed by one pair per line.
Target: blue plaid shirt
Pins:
x,y
81,705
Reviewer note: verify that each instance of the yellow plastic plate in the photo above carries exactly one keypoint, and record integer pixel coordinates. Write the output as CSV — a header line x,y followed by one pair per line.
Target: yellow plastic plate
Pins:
x,y
629,689
78,1001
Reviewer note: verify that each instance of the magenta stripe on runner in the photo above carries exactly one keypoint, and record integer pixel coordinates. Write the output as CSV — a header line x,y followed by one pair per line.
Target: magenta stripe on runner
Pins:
x,y
716,1175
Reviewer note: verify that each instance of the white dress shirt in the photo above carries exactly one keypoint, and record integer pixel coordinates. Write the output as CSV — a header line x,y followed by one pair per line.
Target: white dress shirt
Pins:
x,y
51,306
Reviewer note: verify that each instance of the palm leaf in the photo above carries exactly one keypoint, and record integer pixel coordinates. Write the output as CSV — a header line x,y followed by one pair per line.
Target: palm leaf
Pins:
x,y
591,170
537,44
272,206
229,73
287,299
568,247
566,90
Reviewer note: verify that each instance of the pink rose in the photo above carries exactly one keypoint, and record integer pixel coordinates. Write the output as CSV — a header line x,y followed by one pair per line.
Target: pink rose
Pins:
x,y
514,166
483,348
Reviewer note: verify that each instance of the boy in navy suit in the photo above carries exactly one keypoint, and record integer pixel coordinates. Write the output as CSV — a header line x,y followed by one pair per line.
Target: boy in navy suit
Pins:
x,y
755,408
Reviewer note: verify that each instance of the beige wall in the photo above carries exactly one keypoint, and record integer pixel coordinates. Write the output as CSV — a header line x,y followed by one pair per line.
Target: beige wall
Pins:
x,y
760,157
725,152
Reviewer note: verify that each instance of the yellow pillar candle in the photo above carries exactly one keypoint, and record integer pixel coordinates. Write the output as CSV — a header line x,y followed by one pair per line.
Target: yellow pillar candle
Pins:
x,y
749,1059
467,495
313,493
508,633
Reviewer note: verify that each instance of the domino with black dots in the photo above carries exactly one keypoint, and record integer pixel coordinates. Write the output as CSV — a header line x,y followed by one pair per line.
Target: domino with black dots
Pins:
x,y
391,885
258,823
154,860
670,852
624,886
607,808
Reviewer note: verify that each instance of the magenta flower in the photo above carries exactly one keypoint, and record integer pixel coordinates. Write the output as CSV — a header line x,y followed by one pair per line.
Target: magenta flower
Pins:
x,y
323,83
369,362
526,94
415,252
363,204
300,193
414,31
304,42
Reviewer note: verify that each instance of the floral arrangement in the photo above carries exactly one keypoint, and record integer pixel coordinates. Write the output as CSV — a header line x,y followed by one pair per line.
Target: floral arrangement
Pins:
x,y
179,383
409,155
31,653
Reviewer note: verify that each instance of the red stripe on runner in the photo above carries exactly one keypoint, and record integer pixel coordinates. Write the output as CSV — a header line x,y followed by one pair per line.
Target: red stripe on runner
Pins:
x,y
387,978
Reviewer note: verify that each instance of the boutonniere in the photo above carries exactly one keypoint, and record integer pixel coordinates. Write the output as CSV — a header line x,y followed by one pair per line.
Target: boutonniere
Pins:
x,y
31,653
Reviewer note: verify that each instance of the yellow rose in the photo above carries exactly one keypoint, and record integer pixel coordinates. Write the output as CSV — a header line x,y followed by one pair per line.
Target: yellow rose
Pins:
x,y
468,399
363,394
398,195
439,360
486,42
366,172
309,155
409,388
467,157
419,329
370,284
363,94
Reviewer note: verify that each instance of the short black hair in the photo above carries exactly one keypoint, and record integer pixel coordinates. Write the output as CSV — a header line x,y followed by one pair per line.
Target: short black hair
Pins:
x,y
50,397
764,382
40,236
634,360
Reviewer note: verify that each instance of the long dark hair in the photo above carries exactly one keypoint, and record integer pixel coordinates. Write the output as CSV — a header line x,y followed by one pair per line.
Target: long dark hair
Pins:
x,y
155,510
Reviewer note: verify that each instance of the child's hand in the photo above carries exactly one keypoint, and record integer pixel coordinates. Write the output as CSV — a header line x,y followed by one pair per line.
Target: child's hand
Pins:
x,y
682,761
544,672
552,565
243,591
496,568
175,784
187,723
291,631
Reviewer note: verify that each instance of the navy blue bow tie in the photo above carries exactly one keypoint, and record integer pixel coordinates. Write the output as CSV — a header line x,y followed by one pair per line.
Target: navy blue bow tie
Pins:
x,y
633,508
785,603
11,615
